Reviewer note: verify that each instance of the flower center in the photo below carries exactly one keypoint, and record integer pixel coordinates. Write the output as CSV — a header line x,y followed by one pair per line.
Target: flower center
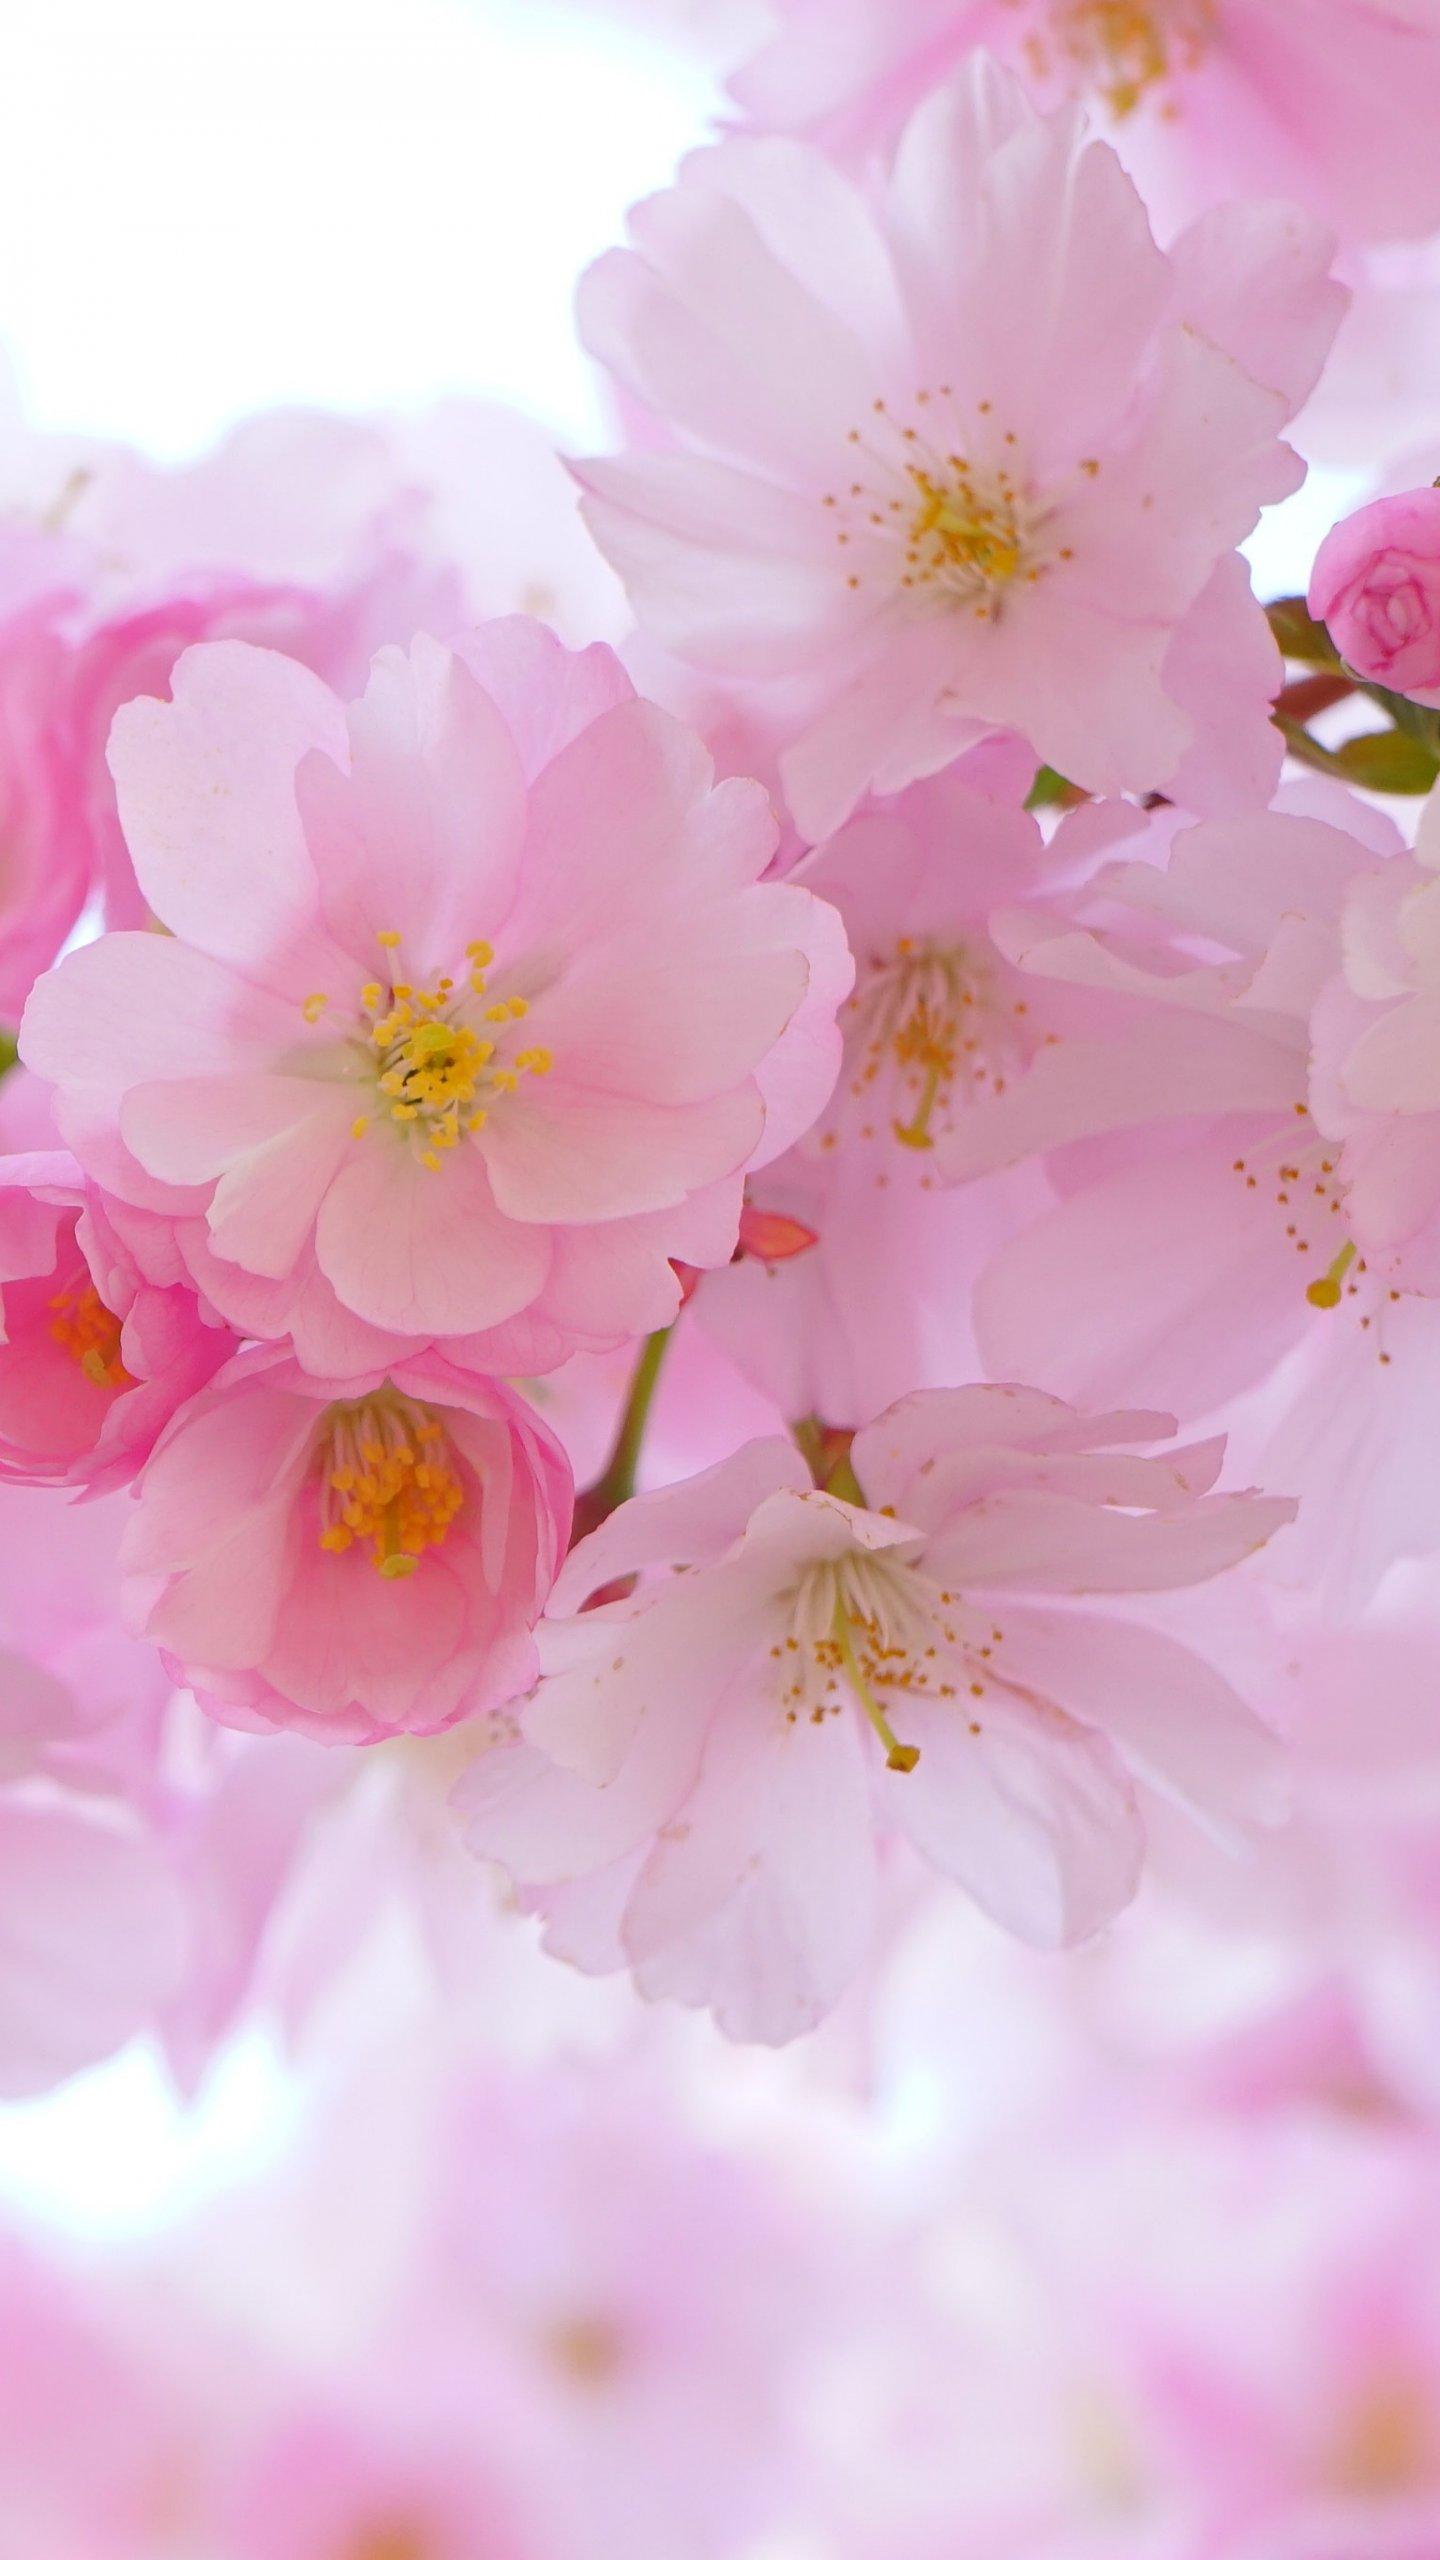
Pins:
x,y
588,2348
1121,50
925,1018
963,527
440,1056
1298,1170
1388,2445
388,1478
390,2540
85,1327
939,506
869,1633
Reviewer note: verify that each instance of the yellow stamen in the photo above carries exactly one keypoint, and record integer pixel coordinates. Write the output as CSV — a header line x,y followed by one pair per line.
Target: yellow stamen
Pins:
x,y
900,1756
1325,1292
314,1006
84,1326
963,525
387,1478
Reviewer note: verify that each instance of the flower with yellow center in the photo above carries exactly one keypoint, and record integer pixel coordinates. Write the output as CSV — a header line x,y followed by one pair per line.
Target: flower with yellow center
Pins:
x,y
387,1479
440,1056
939,506
928,1026
870,1632
1298,1170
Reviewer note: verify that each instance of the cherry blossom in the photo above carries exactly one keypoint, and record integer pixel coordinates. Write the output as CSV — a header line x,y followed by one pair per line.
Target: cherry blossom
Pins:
x,y
861,485
699,1785
1323,101
353,1558
94,1360
493,1035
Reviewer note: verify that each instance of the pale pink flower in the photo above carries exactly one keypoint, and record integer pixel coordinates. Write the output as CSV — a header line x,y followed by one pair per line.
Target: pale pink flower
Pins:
x,y
325,538
351,1558
348,2483
1376,585
95,2491
93,1926
1324,100
1208,1226
1376,1069
699,1786
658,2306
94,1359
489,1035
938,1019
873,495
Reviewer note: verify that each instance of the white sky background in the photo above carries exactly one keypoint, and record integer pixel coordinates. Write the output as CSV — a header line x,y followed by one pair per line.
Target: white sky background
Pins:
x,y
213,206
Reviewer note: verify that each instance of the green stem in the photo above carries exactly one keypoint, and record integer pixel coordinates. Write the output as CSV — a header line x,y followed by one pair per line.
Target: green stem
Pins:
x,y
9,1052
617,1483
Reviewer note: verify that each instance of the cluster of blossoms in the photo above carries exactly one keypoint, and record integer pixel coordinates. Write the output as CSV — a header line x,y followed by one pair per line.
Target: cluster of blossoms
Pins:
x,y
719,1203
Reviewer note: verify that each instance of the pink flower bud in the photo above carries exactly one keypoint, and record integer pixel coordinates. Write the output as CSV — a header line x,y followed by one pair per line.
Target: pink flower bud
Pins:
x,y
1376,585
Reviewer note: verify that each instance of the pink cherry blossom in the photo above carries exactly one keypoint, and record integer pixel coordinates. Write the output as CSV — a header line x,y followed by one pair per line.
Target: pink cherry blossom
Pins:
x,y
871,495
1207,1229
1376,1072
938,1018
701,1782
351,1558
324,538
1205,101
332,2484
94,1360
46,851
1376,584
93,1925
491,1034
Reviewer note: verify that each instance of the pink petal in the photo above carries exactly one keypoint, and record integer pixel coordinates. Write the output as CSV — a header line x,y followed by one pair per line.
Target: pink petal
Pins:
x,y
423,1251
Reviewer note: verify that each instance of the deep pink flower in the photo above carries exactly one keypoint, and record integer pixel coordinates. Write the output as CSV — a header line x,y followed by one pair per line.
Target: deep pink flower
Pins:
x,y
1325,100
699,1783
1376,584
94,1359
473,1007
46,848
872,499
352,1558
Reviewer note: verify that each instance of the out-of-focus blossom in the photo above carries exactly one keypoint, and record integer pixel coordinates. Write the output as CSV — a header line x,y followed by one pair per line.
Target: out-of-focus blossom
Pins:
x,y
93,1935
873,495
353,1558
701,1782
1205,100
1376,584
491,1035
